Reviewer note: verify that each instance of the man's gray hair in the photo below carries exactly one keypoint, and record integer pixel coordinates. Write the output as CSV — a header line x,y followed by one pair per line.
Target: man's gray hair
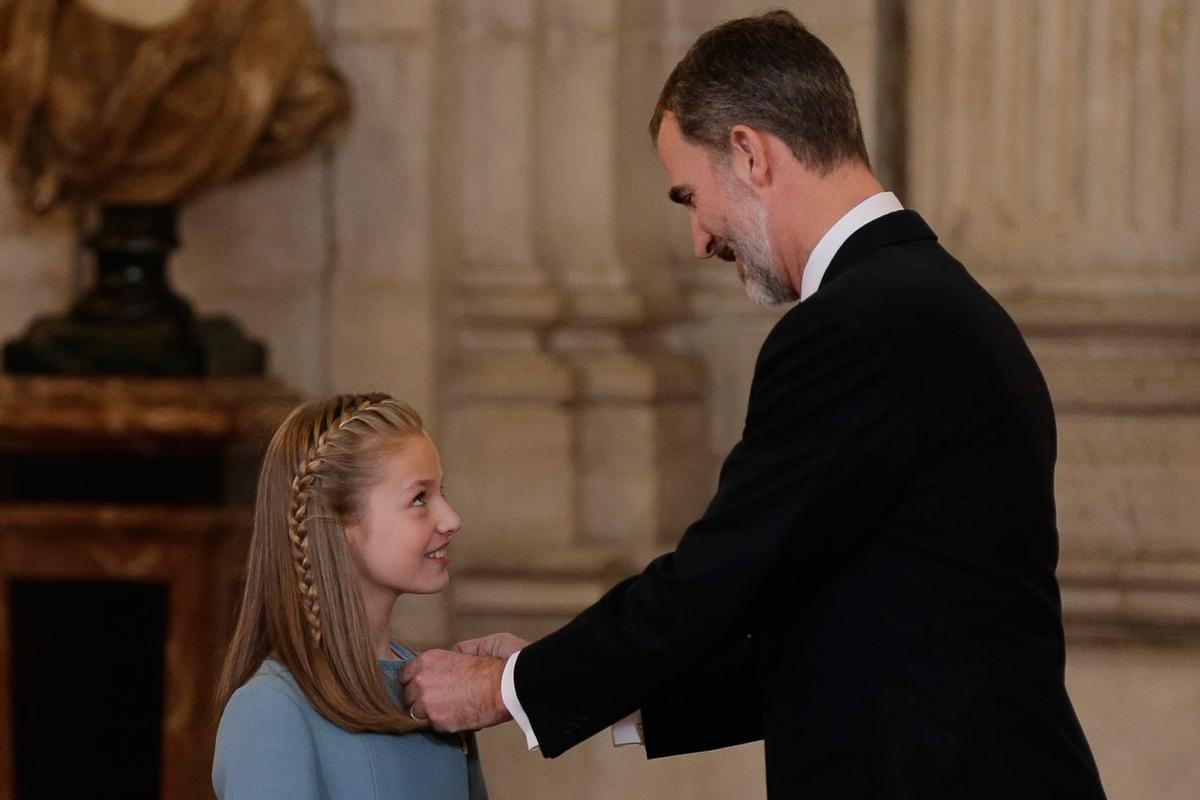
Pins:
x,y
771,73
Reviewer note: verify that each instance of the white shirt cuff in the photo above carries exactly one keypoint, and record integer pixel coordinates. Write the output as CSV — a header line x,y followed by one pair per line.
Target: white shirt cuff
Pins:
x,y
628,731
625,732
508,693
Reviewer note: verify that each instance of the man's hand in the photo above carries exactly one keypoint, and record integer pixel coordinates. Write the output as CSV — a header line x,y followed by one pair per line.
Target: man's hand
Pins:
x,y
454,691
496,645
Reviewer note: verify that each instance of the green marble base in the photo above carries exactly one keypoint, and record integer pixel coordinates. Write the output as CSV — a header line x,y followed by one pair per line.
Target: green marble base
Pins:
x,y
130,322
209,347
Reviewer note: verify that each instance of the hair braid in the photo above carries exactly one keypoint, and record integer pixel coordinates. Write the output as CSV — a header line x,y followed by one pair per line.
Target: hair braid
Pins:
x,y
307,474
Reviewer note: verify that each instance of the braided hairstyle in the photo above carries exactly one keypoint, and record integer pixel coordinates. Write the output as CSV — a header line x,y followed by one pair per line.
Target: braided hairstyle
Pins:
x,y
312,464
302,604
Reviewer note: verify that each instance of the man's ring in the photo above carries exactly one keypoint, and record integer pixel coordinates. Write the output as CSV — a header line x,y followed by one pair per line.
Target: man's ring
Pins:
x,y
412,712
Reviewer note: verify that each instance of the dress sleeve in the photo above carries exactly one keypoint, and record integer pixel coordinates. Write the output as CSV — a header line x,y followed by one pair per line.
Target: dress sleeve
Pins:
x,y
477,789
264,749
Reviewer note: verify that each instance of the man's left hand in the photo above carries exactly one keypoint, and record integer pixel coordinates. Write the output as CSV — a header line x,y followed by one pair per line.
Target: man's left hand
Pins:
x,y
454,691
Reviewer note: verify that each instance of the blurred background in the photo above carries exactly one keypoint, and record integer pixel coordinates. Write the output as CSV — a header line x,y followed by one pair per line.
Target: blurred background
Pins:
x,y
488,237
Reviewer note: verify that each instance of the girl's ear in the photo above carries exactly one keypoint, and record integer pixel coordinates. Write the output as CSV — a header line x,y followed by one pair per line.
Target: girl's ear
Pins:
x,y
353,531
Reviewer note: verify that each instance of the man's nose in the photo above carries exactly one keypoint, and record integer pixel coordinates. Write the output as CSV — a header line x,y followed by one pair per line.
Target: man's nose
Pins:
x,y
704,244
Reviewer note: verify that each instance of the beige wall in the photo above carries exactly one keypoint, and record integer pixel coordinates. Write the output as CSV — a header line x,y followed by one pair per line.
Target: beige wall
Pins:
x,y
1054,145
489,240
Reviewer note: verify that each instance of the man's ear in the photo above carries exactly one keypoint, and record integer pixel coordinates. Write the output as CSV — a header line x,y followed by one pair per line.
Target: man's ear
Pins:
x,y
748,156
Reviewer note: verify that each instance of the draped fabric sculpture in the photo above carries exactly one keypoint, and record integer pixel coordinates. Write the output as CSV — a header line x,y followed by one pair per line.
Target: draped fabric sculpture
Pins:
x,y
96,109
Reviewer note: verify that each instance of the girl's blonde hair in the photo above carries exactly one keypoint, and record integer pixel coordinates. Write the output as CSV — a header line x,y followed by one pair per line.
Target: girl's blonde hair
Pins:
x,y
302,604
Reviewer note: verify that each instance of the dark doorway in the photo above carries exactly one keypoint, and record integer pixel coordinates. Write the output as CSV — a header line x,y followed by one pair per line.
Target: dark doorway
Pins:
x,y
87,687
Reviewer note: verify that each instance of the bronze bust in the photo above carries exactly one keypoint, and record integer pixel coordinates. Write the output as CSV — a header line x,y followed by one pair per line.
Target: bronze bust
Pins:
x,y
143,101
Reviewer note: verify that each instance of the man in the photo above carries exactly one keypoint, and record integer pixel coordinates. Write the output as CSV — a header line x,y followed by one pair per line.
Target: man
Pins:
x,y
872,588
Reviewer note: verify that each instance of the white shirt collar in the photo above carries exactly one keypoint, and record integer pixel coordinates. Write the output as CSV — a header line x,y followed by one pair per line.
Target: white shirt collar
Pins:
x,y
869,210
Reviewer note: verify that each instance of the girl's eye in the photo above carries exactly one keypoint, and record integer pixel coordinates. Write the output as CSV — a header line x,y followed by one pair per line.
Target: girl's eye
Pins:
x,y
419,500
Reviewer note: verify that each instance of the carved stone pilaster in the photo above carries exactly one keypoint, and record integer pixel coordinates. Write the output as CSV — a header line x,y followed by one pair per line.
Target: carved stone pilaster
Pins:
x,y
1054,147
506,430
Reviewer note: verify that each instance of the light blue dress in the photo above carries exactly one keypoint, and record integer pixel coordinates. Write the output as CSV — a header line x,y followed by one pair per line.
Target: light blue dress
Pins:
x,y
272,743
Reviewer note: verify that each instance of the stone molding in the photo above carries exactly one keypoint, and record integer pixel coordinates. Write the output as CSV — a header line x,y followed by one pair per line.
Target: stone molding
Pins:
x,y
1101,599
1120,374
132,408
1131,599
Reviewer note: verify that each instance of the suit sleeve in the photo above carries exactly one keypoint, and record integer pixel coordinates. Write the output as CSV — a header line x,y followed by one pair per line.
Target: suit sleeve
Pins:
x,y
825,446
264,749
716,705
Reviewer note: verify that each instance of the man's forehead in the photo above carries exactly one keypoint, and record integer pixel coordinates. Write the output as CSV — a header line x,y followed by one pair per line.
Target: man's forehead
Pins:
x,y
667,140
670,134
681,159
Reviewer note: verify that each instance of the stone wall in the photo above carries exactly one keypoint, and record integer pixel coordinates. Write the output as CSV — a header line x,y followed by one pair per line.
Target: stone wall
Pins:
x,y
1055,146
490,240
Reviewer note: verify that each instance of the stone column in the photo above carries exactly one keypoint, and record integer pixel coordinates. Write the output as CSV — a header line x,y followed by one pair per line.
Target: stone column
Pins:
x,y
1052,149
1055,142
594,175
507,430
381,280
1055,148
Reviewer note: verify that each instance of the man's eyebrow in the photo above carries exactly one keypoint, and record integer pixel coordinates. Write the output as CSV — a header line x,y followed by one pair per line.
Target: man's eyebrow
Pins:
x,y
681,194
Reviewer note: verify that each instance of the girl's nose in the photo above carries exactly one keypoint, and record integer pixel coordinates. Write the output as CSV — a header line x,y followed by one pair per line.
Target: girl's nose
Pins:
x,y
450,523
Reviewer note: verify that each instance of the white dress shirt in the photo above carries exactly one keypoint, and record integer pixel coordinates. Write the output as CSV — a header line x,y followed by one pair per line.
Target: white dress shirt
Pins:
x,y
869,210
628,730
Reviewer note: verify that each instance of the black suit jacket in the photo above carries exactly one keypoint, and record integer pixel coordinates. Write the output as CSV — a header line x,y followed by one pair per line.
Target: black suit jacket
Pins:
x,y
872,588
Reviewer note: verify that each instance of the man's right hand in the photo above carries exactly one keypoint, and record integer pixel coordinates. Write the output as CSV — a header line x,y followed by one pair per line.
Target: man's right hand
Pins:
x,y
496,645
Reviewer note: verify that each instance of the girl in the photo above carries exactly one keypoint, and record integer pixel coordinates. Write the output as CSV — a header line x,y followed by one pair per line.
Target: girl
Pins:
x,y
350,513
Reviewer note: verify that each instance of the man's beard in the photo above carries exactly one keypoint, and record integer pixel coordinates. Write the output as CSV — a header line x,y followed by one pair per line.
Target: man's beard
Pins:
x,y
748,241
